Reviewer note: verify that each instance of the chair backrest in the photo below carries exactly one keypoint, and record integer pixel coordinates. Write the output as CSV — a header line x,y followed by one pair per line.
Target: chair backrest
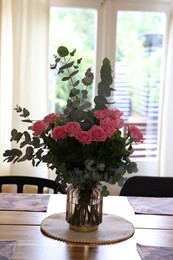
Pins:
x,y
148,186
21,181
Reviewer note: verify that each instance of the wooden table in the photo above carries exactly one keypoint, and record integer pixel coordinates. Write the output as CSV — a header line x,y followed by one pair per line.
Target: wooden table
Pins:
x,y
33,245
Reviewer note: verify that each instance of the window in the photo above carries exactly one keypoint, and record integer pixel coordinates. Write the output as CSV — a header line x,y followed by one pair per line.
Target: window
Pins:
x,y
139,58
132,35
68,27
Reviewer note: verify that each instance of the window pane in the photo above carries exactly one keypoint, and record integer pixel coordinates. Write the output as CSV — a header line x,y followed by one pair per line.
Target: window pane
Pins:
x,y
139,50
68,27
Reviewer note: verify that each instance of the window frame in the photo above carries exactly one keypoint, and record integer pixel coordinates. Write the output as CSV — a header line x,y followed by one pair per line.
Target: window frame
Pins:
x,y
106,29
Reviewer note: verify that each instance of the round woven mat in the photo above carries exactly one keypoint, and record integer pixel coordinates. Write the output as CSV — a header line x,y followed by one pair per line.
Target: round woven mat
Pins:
x,y
113,229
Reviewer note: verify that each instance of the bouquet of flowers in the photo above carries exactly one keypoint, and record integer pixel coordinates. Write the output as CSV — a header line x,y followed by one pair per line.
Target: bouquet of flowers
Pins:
x,y
84,145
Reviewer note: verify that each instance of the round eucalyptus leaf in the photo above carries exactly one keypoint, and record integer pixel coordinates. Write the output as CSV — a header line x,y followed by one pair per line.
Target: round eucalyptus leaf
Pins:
x,y
63,51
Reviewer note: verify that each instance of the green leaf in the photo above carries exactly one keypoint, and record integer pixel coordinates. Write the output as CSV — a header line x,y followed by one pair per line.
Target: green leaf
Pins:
x,y
14,151
103,90
29,152
27,136
84,93
53,66
88,79
96,176
121,181
106,176
57,59
105,191
104,86
106,72
63,51
74,73
74,92
84,106
121,170
78,115
27,139
66,66
25,113
79,61
28,155
37,163
73,52
112,180
18,109
39,154
27,121
100,102
76,83
13,154
15,135
33,162
132,167
36,142
65,78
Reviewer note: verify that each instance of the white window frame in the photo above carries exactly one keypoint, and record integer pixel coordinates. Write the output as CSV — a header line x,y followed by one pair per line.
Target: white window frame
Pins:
x,y
107,12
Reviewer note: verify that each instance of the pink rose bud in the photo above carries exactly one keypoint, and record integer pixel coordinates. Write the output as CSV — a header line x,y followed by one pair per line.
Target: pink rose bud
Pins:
x,y
135,133
39,127
50,118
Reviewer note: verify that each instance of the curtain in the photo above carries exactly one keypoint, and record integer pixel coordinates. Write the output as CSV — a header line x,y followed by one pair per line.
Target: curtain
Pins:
x,y
23,71
166,137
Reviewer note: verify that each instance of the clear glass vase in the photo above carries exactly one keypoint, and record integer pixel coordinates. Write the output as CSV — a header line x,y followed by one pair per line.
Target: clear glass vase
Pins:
x,y
84,208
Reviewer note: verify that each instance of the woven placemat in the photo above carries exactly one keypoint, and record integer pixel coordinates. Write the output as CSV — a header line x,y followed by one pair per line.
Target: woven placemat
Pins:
x,y
7,249
24,202
113,229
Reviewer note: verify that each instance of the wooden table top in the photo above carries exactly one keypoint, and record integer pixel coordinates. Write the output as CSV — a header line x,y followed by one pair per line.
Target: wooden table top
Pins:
x,y
32,244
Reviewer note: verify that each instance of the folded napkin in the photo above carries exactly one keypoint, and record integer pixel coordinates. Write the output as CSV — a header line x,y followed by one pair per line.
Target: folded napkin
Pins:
x,y
7,249
155,252
24,202
152,205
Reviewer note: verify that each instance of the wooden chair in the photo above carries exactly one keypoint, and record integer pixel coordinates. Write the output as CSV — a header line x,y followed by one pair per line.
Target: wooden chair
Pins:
x,y
21,181
148,186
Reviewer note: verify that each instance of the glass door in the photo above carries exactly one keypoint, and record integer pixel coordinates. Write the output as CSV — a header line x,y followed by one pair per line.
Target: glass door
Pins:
x,y
138,79
68,27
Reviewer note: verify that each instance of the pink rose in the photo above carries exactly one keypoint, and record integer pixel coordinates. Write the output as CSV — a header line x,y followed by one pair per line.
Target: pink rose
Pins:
x,y
72,128
100,114
108,125
106,112
135,133
119,123
107,121
115,113
59,132
84,137
110,130
39,127
98,134
50,118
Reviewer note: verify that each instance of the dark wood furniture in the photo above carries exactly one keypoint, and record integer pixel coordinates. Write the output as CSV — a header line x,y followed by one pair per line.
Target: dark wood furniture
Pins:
x,y
148,186
22,181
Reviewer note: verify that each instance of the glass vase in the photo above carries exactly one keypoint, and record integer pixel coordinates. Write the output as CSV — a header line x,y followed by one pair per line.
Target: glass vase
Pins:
x,y
84,208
